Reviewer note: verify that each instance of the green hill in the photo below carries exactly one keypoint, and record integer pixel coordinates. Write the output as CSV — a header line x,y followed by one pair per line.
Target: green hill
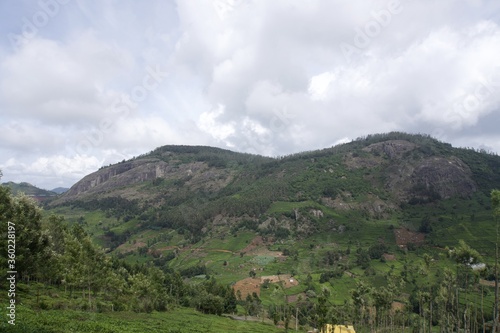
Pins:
x,y
374,223
203,191
28,189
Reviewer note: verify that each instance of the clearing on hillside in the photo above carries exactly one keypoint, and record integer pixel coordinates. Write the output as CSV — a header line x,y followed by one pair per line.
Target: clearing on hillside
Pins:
x,y
250,285
247,287
405,237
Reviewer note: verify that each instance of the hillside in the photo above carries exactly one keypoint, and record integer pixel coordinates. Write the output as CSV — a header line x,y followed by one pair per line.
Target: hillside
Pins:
x,y
198,189
36,193
59,190
376,176
376,212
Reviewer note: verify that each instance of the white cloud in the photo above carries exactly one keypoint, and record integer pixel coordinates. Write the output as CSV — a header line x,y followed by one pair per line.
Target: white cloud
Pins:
x,y
61,83
318,85
209,124
266,77
50,171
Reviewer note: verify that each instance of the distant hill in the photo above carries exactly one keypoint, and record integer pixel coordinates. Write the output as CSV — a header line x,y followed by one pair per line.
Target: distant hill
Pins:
x,y
28,189
60,190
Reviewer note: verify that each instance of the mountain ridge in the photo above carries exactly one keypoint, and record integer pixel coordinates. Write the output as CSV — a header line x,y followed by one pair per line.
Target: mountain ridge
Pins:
x,y
183,162
28,189
189,188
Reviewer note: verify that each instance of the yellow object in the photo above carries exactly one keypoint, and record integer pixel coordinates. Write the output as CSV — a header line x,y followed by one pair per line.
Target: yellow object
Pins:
x,y
329,328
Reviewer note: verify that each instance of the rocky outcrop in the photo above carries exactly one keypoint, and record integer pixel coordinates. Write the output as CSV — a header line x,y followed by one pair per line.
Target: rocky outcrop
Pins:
x,y
112,179
410,175
393,149
119,175
430,179
418,178
448,177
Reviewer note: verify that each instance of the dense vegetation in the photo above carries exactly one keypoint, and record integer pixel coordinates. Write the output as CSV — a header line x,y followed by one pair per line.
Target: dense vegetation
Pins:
x,y
365,249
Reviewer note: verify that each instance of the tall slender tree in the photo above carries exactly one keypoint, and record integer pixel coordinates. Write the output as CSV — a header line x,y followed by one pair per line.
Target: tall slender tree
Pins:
x,y
465,256
495,203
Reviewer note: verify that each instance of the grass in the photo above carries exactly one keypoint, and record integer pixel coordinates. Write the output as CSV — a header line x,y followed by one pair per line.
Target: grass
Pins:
x,y
263,260
49,309
282,207
179,320
229,242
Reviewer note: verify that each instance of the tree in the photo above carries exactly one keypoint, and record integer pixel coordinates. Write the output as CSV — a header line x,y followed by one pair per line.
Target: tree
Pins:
x,y
377,250
253,304
322,309
362,299
495,203
210,304
55,231
445,297
362,258
465,256
382,299
31,243
427,260
5,216
230,301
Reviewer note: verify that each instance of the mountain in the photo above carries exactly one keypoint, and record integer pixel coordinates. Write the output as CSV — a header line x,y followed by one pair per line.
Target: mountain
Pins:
x,y
381,220
60,190
397,166
199,168
29,190
195,189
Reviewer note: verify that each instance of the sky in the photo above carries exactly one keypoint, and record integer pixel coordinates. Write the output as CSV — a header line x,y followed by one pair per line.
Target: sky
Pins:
x,y
86,83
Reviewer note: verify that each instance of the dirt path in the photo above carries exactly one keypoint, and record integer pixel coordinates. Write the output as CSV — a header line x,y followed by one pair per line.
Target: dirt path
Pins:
x,y
219,250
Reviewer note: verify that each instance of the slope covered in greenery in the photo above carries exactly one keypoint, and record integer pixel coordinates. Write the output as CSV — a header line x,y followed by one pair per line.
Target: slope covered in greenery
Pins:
x,y
28,189
367,232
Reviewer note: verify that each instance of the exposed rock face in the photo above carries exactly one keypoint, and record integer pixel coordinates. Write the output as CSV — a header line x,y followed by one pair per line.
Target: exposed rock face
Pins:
x,y
126,173
316,213
196,175
378,153
449,177
394,149
415,178
372,204
431,178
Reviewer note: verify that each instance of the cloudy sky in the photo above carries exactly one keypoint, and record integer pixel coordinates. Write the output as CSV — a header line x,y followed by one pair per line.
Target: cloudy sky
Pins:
x,y
85,83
